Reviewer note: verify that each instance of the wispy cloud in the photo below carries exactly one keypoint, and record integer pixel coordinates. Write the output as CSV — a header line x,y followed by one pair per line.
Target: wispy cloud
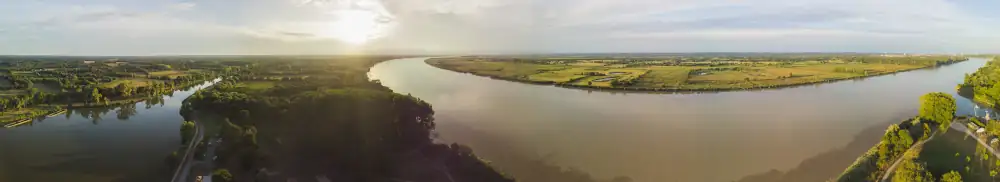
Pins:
x,y
183,6
496,26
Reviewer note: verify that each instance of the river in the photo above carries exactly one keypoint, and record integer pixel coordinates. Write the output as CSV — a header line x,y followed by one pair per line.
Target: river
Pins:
x,y
111,144
667,137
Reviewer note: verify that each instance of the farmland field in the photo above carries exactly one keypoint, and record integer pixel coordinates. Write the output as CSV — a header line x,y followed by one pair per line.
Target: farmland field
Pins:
x,y
703,74
136,82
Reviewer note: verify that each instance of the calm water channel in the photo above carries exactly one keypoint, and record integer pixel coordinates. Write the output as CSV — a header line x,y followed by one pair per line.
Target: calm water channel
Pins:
x,y
667,137
125,143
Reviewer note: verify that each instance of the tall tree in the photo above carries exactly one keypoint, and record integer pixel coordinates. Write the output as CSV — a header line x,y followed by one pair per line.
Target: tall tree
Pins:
x,y
937,107
952,176
912,171
95,96
125,89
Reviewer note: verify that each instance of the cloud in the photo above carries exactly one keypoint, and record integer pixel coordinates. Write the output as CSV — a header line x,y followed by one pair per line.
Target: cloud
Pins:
x,y
515,26
183,6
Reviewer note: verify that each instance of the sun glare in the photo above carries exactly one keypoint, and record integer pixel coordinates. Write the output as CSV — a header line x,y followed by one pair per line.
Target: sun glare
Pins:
x,y
355,26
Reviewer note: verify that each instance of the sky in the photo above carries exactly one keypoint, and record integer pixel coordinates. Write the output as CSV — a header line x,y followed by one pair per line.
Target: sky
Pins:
x,y
228,27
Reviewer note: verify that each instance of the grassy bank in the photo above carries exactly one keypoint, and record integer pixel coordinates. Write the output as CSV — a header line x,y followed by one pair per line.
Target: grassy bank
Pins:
x,y
26,113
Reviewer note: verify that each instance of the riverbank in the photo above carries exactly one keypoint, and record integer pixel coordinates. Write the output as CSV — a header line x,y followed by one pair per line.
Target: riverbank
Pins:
x,y
43,110
575,83
598,125
21,116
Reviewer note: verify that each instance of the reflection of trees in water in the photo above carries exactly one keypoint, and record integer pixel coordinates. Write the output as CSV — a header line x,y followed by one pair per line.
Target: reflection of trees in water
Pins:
x,y
154,101
125,111
94,114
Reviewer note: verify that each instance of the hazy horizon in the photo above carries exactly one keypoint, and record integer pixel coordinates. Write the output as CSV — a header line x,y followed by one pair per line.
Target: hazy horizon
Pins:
x,y
474,54
444,27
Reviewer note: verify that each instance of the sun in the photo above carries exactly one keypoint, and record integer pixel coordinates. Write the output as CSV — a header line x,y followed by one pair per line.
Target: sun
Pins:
x,y
355,26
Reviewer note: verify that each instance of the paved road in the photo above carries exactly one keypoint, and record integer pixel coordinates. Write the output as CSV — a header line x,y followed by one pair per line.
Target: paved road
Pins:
x,y
184,168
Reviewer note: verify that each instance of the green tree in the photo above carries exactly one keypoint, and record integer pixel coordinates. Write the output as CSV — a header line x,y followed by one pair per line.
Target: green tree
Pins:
x,y
927,132
937,107
187,131
952,176
95,96
222,175
912,171
125,89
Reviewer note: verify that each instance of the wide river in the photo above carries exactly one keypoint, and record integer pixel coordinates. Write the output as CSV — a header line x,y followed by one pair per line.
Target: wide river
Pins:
x,y
111,144
669,137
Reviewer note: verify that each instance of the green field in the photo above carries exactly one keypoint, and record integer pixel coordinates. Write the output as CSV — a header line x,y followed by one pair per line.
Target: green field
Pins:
x,y
5,83
50,87
172,73
672,75
136,82
255,86
25,113
948,152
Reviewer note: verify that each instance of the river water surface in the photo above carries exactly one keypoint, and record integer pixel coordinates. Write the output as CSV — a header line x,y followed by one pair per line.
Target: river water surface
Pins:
x,y
665,137
125,143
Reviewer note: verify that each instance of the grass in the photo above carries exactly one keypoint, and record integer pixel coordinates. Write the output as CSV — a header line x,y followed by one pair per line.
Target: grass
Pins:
x,y
948,152
686,76
501,69
5,83
25,113
12,92
172,73
560,76
49,87
254,86
136,82
664,77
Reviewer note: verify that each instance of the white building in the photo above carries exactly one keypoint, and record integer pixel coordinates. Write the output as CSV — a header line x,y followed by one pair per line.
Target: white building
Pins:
x,y
204,179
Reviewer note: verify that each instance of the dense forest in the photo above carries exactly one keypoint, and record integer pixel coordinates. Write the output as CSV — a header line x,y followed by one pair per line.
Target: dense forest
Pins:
x,y
311,118
983,84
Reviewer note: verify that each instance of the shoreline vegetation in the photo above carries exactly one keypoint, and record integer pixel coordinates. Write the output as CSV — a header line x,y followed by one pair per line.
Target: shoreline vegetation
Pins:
x,y
38,86
950,157
982,86
897,153
688,73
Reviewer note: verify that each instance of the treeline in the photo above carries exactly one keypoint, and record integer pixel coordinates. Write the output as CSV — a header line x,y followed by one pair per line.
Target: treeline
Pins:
x,y
983,83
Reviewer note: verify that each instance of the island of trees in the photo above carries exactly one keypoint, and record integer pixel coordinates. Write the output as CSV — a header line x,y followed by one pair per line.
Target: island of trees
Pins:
x,y
687,72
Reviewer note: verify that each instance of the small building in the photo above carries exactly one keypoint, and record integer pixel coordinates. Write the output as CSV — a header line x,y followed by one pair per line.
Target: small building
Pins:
x,y
88,62
204,179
